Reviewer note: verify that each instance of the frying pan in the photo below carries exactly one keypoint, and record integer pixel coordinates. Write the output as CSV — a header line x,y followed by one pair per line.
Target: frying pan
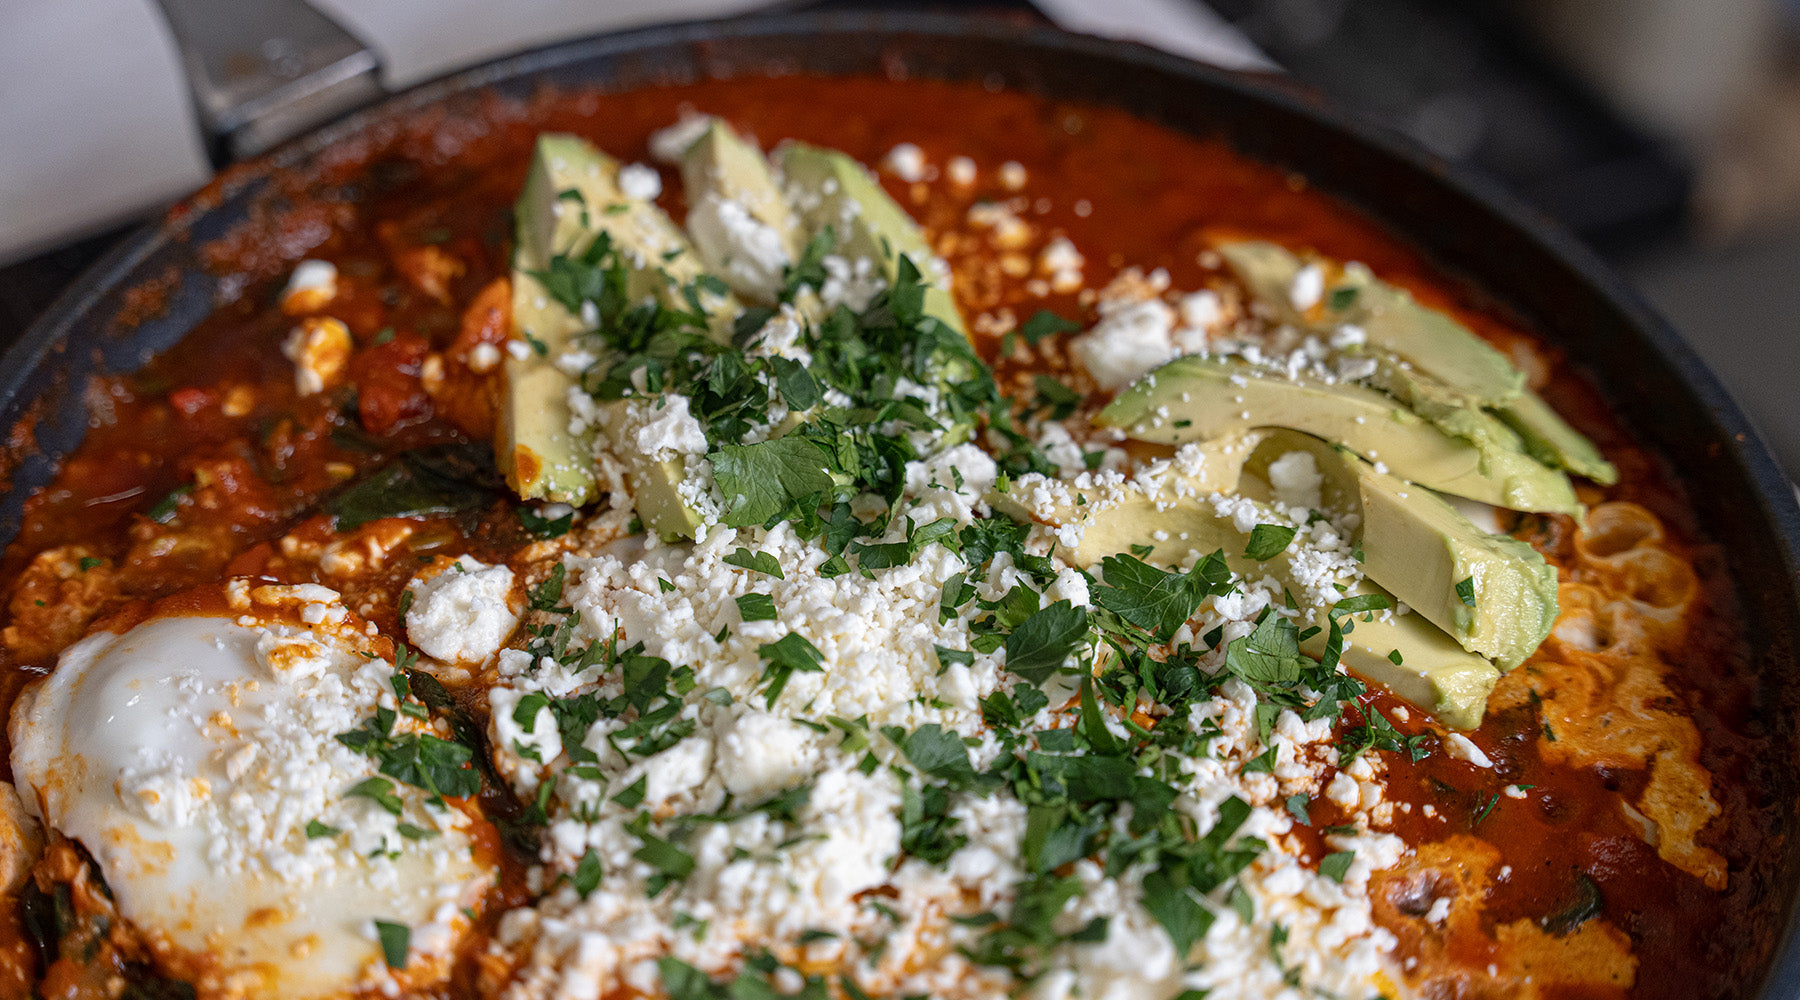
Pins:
x,y
1655,381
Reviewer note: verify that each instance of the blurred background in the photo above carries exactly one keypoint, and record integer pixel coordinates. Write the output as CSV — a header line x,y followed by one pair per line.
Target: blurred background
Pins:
x,y
1664,132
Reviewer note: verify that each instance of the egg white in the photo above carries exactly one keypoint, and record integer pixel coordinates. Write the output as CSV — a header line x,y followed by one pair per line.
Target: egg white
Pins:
x,y
189,756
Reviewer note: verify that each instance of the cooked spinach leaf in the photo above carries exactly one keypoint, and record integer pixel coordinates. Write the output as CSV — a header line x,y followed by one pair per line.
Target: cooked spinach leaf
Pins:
x,y
438,479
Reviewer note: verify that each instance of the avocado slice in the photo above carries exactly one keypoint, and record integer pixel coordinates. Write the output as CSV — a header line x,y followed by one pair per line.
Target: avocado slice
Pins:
x,y
831,190
538,453
1447,354
1493,594
571,197
1433,342
1433,672
737,216
1197,398
1443,407
1549,439
1526,424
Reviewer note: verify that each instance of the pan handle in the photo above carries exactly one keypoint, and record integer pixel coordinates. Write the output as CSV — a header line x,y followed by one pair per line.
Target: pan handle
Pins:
x,y
261,71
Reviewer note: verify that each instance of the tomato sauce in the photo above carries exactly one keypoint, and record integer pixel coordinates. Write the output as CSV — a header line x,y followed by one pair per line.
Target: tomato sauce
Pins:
x,y
416,216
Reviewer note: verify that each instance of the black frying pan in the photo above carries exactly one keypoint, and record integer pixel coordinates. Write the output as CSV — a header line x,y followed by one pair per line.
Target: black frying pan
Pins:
x,y
1655,381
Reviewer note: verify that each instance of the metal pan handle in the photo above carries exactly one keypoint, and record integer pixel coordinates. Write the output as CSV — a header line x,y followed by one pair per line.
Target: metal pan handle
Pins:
x,y
261,71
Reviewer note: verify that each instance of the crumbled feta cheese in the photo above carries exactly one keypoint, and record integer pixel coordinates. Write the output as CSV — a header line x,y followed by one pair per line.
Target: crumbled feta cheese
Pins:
x,y
461,610
640,182
1297,480
310,288
748,252
670,143
320,350
1308,288
1130,339
905,161
1462,748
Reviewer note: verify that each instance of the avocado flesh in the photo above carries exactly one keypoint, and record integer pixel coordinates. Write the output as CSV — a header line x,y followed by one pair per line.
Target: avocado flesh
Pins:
x,y
1434,672
540,456
1549,439
1419,548
830,190
1433,342
1444,408
1466,370
725,175
1196,399
833,190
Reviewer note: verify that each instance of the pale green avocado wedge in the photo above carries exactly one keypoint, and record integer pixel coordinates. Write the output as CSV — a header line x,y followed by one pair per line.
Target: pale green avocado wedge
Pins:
x,y
1493,594
1198,398
738,218
1405,653
539,455
1549,439
1433,342
832,189
572,196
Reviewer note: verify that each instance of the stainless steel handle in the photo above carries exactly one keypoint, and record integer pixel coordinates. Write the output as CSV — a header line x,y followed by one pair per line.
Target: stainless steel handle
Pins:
x,y
261,71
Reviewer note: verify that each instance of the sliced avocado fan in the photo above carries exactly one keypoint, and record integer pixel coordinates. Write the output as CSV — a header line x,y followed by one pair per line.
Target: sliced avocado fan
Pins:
x,y
1403,652
833,191
1393,322
574,217
1198,398
1551,440
1454,374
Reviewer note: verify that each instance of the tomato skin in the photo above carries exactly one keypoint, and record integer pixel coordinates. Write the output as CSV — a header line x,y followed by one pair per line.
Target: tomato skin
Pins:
x,y
389,393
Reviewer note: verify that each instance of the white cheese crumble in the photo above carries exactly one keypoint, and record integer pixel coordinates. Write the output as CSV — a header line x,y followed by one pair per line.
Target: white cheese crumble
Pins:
x,y
320,350
1308,288
1297,480
748,252
1130,339
462,610
670,143
905,161
311,287
1462,748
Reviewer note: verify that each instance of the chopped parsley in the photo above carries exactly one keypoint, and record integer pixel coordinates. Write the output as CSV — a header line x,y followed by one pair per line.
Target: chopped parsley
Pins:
x,y
756,562
1334,866
756,608
1268,541
396,941
541,526
587,874
163,511
786,656
1041,643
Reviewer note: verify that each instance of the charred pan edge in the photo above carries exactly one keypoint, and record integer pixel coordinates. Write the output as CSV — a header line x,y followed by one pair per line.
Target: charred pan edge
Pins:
x,y
1667,395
